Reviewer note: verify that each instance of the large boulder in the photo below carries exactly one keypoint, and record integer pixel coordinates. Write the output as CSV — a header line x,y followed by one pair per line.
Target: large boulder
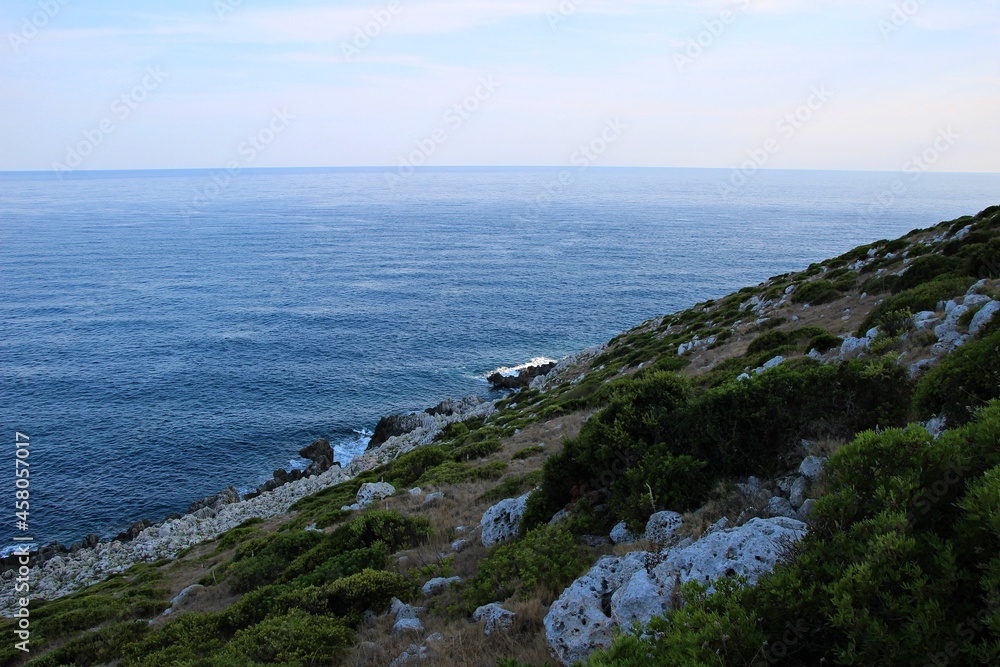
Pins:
x,y
495,617
227,496
983,317
450,406
321,454
521,379
634,588
579,622
374,491
389,427
749,551
501,522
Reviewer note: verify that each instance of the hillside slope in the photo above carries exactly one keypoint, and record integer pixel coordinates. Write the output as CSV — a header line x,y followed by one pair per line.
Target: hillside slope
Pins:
x,y
899,565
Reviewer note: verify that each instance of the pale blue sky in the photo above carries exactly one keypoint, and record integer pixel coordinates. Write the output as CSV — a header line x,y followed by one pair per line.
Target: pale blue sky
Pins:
x,y
214,72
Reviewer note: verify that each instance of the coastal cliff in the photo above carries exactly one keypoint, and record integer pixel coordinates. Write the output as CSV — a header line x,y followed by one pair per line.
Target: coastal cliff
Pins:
x,y
804,470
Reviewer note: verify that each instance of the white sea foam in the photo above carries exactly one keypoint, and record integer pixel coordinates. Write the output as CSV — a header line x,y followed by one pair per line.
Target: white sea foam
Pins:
x,y
508,371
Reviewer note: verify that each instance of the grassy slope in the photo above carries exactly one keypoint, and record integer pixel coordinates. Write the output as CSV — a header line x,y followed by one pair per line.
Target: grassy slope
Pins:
x,y
275,592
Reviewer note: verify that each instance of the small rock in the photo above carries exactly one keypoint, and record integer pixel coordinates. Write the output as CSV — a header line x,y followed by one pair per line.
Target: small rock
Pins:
x,y
495,617
779,506
812,466
797,494
558,516
439,584
460,545
983,317
416,491
807,509
404,625
620,534
433,497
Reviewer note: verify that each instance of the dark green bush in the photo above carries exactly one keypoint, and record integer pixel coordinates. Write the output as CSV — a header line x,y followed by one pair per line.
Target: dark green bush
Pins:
x,y
295,638
816,293
964,381
925,269
547,556
824,342
656,437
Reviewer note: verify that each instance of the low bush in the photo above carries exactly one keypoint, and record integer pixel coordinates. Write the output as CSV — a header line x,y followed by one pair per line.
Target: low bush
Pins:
x,y
923,297
816,293
964,381
547,557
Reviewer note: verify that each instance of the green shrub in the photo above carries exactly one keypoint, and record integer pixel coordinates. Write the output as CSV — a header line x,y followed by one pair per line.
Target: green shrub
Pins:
x,y
925,269
924,297
295,638
451,472
185,640
528,452
512,487
367,590
816,293
547,557
776,341
825,342
241,533
963,382
899,567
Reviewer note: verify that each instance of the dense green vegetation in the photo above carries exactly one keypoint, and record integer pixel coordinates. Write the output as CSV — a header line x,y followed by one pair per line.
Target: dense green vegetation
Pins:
x,y
659,444
305,592
901,567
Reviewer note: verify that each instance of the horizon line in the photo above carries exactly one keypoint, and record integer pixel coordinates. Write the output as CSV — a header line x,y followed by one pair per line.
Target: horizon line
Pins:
x,y
62,175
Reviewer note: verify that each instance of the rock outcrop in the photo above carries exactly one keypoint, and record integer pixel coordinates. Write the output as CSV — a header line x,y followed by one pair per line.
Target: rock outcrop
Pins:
x,y
617,592
394,425
520,380
501,522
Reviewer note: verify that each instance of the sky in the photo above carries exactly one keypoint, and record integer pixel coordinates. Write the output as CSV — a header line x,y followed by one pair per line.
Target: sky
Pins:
x,y
790,84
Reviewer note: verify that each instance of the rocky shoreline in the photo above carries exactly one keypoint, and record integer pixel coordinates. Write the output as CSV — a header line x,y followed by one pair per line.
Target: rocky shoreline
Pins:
x,y
57,571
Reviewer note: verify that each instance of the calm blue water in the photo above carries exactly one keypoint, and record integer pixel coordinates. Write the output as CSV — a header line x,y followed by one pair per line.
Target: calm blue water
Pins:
x,y
156,353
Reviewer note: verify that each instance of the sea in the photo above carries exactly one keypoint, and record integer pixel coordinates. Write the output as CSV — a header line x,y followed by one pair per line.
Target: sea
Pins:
x,y
169,333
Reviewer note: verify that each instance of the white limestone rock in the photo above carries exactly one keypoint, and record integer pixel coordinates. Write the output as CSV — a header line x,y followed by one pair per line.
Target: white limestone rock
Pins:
x,y
374,491
495,617
983,317
749,550
439,585
799,492
778,506
620,534
662,527
812,467
577,624
501,522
